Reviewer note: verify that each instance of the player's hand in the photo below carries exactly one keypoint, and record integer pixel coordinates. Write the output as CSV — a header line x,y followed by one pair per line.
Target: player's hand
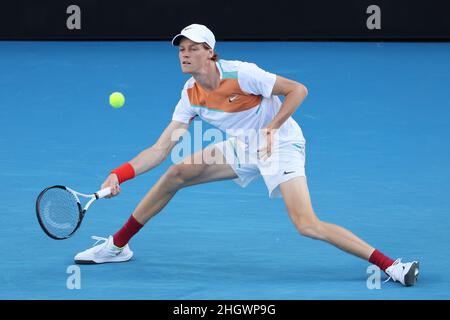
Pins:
x,y
113,182
265,152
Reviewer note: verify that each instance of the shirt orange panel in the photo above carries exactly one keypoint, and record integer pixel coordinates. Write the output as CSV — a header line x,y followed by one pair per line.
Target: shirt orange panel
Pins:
x,y
228,97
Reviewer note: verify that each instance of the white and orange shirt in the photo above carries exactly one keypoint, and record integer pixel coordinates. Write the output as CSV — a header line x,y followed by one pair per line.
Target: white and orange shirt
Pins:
x,y
242,102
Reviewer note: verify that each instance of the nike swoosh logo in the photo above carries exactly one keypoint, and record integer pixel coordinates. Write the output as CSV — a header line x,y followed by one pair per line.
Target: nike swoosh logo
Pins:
x,y
232,98
286,172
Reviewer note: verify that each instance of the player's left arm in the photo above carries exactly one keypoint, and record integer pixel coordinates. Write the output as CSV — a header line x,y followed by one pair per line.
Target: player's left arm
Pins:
x,y
294,93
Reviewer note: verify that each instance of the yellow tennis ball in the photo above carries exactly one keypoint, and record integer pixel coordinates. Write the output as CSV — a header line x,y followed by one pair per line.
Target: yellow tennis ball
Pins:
x,y
116,100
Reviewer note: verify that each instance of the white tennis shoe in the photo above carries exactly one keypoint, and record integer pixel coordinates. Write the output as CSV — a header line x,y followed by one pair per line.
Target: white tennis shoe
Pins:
x,y
406,273
104,252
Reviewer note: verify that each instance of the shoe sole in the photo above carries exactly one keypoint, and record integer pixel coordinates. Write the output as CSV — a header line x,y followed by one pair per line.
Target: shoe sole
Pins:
x,y
413,274
94,262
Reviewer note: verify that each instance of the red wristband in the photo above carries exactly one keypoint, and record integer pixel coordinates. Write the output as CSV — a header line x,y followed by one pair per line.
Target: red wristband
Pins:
x,y
124,172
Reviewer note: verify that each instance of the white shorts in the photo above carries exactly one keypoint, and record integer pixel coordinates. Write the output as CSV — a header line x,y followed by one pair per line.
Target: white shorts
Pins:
x,y
286,162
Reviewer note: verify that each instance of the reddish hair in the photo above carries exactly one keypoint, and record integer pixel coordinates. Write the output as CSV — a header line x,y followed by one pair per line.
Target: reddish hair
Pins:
x,y
215,56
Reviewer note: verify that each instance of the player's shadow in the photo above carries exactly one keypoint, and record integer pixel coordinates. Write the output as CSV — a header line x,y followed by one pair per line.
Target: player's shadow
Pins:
x,y
259,272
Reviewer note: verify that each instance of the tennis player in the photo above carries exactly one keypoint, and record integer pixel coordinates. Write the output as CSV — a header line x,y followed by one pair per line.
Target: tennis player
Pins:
x,y
236,97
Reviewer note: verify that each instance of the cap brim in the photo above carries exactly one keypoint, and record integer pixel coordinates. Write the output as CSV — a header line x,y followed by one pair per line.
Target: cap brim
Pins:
x,y
176,40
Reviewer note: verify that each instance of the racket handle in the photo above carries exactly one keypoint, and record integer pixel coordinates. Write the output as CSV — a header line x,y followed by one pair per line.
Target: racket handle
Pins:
x,y
103,193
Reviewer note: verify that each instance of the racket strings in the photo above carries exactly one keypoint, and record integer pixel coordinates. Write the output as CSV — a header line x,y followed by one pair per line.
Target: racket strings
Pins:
x,y
59,212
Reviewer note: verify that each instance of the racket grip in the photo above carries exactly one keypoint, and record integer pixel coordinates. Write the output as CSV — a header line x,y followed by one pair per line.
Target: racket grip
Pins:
x,y
103,193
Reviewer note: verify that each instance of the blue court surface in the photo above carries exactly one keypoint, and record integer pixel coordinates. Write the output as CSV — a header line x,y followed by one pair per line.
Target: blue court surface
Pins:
x,y
376,122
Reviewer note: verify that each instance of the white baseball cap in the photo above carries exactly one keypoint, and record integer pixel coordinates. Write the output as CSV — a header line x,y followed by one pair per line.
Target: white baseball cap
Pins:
x,y
197,33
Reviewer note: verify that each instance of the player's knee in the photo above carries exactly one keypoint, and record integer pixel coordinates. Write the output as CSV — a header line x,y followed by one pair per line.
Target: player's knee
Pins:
x,y
174,177
311,229
178,175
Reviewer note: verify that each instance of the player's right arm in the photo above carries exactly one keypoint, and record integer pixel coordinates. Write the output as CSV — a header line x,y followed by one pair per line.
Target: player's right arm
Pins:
x,y
152,156
157,153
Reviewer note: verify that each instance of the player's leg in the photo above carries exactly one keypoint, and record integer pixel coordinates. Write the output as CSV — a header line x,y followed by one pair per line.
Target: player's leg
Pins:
x,y
192,171
298,203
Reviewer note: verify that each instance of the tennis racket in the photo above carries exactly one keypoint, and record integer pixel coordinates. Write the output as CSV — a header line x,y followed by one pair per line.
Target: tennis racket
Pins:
x,y
59,211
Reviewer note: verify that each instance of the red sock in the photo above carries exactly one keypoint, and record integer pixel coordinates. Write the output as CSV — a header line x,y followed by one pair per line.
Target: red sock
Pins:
x,y
124,235
380,260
